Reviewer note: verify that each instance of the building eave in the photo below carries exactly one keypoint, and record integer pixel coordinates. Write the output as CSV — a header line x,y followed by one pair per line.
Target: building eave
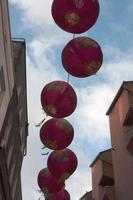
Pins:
x,y
117,96
98,156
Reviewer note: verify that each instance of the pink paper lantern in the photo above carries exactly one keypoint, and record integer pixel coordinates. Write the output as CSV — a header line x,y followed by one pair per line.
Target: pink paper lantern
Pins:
x,y
61,195
58,99
56,133
75,16
82,57
62,163
49,183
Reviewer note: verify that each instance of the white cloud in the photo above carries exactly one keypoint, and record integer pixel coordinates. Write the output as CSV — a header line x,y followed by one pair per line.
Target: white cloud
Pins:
x,y
93,104
79,183
36,12
94,100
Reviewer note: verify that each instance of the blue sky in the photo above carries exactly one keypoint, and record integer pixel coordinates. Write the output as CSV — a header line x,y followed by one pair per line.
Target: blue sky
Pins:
x,y
32,20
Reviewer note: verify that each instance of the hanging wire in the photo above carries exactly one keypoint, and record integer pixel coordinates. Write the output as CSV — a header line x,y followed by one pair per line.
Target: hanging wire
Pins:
x,y
68,78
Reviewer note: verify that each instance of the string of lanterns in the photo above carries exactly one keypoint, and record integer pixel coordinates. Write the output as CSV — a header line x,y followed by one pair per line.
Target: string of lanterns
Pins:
x,y
81,57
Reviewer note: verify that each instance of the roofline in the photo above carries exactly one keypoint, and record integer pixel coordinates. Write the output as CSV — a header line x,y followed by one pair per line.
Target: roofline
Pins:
x,y
97,157
117,96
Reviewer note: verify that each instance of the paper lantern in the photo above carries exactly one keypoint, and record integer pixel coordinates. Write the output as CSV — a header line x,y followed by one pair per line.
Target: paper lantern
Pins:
x,y
58,99
49,183
61,195
56,133
62,163
75,16
82,57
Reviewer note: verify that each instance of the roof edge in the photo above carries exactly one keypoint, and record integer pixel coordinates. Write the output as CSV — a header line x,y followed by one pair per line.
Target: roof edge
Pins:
x,y
97,157
117,96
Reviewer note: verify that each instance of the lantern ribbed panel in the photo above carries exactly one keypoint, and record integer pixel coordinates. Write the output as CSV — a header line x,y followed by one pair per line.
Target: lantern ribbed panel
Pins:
x,y
62,163
56,133
82,57
58,99
75,16
49,183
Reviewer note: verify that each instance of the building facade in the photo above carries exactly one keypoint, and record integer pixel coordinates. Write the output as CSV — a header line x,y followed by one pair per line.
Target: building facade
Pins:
x,y
13,109
112,170
102,175
121,128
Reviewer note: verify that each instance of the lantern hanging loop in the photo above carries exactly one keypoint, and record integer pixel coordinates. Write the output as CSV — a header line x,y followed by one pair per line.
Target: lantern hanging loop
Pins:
x,y
40,123
45,154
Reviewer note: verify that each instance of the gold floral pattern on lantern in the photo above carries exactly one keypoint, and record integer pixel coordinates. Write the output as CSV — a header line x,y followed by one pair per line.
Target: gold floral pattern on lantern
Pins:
x,y
45,190
50,109
51,144
72,18
64,176
45,172
61,158
64,126
56,87
86,42
91,67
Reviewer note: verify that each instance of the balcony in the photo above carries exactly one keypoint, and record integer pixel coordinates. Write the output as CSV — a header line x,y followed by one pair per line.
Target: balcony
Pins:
x,y
102,170
106,174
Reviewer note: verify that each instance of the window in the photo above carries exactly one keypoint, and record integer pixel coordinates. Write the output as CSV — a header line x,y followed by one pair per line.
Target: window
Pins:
x,y
2,81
